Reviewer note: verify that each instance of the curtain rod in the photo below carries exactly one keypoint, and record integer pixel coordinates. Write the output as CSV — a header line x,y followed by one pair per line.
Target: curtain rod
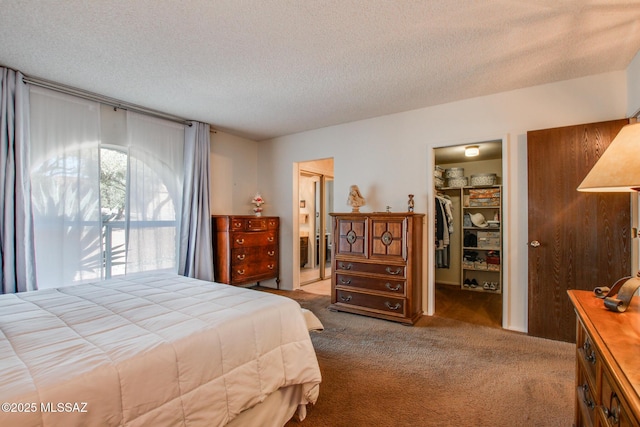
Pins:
x,y
47,84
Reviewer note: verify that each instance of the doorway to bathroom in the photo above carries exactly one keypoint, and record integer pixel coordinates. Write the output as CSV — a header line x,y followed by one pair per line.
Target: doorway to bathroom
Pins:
x,y
315,188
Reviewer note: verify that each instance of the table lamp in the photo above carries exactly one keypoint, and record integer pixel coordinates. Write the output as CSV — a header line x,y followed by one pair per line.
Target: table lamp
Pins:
x,y
617,170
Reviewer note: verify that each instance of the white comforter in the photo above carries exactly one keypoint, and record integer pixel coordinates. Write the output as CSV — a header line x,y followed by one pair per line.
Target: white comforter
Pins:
x,y
155,350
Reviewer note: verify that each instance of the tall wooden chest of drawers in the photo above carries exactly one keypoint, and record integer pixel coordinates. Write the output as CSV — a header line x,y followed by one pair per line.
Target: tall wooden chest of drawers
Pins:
x,y
607,363
245,248
377,265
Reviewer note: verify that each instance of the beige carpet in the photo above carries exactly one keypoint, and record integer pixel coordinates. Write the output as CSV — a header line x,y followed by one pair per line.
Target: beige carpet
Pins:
x,y
440,372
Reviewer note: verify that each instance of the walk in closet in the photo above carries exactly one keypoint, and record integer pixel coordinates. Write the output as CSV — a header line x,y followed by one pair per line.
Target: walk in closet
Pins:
x,y
468,202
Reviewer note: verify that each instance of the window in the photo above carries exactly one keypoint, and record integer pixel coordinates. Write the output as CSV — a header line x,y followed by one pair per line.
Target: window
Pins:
x,y
113,196
106,190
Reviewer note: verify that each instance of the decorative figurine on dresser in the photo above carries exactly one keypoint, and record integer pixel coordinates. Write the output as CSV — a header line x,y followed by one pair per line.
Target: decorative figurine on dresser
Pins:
x,y
355,199
245,248
377,265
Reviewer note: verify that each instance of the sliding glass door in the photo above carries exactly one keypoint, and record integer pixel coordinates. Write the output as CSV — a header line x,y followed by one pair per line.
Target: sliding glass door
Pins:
x,y
316,201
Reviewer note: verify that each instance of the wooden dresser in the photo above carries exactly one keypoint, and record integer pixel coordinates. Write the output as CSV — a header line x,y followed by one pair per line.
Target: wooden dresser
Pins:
x,y
245,248
607,363
377,265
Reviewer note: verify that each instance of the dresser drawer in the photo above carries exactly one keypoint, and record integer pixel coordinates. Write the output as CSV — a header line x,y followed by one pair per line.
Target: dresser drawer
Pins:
x,y
397,287
249,270
253,224
586,399
613,407
237,224
252,254
273,223
264,238
381,303
361,267
587,355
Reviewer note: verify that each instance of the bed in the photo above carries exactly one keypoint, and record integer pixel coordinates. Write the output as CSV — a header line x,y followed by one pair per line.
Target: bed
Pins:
x,y
154,349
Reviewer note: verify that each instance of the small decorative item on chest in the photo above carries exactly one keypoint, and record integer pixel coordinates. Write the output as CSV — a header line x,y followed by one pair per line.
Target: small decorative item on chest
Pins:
x,y
355,199
258,201
410,203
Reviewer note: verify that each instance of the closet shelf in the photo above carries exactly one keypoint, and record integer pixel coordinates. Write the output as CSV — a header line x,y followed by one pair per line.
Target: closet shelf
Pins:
x,y
481,289
475,248
482,228
469,187
488,238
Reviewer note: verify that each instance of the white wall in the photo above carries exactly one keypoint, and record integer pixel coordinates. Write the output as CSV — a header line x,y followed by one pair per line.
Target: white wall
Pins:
x,y
633,83
391,156
234,174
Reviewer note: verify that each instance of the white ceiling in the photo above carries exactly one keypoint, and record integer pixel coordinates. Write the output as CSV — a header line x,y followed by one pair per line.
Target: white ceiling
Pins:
x,y
265,68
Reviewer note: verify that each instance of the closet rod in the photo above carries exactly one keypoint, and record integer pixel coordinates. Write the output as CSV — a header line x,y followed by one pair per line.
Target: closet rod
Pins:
x,y
47,84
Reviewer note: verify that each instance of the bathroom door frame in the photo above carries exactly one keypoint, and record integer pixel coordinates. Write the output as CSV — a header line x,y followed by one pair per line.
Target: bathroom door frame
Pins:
x,y
310,168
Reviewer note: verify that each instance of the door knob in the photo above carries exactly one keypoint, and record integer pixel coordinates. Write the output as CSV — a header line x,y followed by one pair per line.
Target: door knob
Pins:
x,y
534,243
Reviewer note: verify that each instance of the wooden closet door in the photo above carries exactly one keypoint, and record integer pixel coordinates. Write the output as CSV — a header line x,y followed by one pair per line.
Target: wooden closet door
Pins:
x,y
584,238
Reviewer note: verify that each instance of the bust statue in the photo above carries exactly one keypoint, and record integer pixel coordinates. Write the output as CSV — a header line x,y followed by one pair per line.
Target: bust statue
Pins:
x,y
355,199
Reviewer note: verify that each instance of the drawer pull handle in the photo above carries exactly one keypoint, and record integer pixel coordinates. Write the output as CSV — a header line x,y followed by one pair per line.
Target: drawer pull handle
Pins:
x,y
398,271
591,358
392,307
395,288
614,411
585,396
241,257
270,266
345,299
270,239
237,224
240,241
345,266
589,354
271,253
345,282
240,271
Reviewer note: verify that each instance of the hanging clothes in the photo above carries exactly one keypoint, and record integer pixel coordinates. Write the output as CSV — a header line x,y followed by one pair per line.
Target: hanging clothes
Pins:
x,y
444,229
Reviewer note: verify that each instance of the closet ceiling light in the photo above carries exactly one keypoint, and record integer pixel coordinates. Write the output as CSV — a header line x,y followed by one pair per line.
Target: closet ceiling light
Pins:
x,y
471,151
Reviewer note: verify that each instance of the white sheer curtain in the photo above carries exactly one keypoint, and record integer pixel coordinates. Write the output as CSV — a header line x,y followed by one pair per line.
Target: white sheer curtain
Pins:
x,y
65,175
155,193
17,259
71,239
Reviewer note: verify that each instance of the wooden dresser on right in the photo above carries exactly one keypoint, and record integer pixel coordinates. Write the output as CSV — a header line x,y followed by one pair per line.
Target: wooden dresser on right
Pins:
x,y
377,265
607,363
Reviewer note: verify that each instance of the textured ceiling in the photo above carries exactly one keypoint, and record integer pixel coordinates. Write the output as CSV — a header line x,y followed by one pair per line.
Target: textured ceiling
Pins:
x,y
265,68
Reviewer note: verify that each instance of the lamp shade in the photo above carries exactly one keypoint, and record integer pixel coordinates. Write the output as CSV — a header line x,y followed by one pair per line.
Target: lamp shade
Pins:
x,y
618,169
